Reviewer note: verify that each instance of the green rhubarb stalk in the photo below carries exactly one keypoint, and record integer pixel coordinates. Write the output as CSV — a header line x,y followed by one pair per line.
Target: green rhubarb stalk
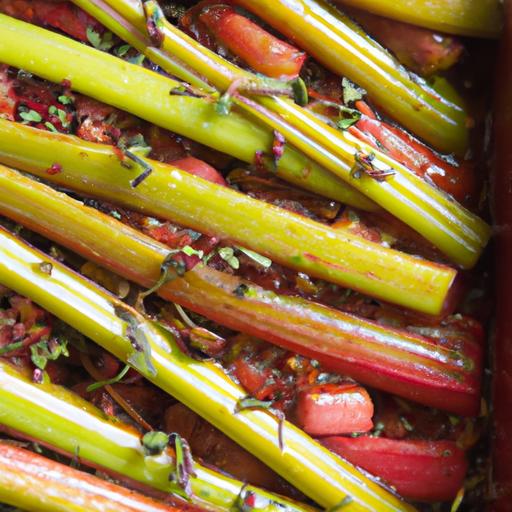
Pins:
x,y
202,386
344,48
372,354
335,255
127,20
480,18
61,420
33,482
150,96
457,232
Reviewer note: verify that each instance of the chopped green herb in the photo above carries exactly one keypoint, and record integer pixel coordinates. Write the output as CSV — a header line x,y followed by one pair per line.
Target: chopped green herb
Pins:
x,y
351,92
190,251
347,122
154,443
99,42
137,59
31,116
93,37
63,117
228,255
51,127
258,258
65,100
252,403
122,50
113,380
61,114
223,105
48,350
300,92
11,347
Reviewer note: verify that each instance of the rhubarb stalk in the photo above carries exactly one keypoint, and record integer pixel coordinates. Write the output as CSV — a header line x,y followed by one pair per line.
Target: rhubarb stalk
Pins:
x,y
61,420
457,232
290,239
202,386
397,361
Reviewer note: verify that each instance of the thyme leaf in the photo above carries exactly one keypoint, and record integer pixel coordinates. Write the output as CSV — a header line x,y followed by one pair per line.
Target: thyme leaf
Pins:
x,y
99,42
154,443
300,92
31,116
48,350
258,258
351,92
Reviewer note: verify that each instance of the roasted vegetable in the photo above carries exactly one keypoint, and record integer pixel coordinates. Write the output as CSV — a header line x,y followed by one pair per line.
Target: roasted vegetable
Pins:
x,y
151,349
339,44
384,180
34,482
62,421
446,377
334,255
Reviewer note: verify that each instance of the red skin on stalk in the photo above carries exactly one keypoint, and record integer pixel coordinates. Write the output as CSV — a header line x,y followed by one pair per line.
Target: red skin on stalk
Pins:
x,y
427,471
421,50
215,24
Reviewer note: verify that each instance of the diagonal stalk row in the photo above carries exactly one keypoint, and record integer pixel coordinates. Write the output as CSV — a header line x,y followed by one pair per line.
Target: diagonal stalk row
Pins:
x,y
396,361
457,232
285,237
34,482
149,96
343,47
61,420
202,386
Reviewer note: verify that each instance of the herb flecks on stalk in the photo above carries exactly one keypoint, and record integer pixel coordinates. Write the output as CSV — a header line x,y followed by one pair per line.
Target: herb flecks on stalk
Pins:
x,y
458,233
335,255
370,353
61,420
202,386
186,113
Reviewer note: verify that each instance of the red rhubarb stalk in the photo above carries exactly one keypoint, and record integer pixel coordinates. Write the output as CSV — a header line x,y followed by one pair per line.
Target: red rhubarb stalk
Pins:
x,y
394,360
419,470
